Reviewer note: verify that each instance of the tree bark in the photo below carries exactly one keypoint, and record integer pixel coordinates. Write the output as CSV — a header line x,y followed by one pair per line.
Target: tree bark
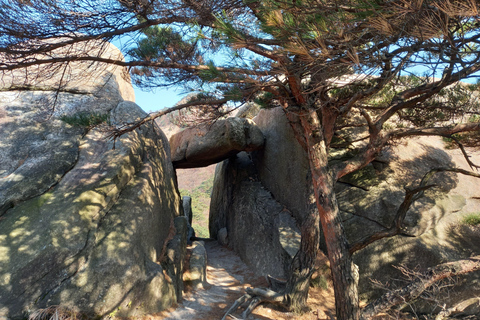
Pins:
x,y
344,281
298,284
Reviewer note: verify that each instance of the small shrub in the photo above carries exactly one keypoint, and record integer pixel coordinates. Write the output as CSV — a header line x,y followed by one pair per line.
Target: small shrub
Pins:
x,y
472,219
86,119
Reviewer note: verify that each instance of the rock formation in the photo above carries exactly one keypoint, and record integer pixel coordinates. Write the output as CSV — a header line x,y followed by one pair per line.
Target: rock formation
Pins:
x,y
193,181
86,223
266,193
210,143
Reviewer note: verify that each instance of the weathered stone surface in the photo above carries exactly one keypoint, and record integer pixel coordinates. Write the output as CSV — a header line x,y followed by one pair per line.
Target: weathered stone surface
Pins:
x,y
282,164
196,274
276,190
248,110
85,225
206,144
191,180
34,156
435,220
78,86
368,200
251,216
222,237
176,253
36,153
95,240
187,208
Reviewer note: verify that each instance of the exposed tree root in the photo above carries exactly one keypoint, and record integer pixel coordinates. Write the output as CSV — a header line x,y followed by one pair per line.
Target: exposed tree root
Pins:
x,y
254,297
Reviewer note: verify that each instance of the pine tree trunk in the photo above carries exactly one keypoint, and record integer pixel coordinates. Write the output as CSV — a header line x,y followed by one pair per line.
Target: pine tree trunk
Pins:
x,y
298,283
345,285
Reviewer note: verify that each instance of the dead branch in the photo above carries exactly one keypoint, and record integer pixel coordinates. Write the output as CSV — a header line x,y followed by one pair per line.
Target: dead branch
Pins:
x,y
397,223
415,288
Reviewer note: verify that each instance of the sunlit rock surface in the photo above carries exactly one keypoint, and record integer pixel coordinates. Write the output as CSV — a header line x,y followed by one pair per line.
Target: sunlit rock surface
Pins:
x,y
85,221
209,143
253,191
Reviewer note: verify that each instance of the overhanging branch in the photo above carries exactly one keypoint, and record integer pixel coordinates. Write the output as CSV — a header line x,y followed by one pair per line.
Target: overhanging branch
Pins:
x,y
128,127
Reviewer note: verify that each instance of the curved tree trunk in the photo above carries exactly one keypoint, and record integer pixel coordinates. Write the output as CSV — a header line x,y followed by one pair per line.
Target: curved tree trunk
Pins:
x,y
344,281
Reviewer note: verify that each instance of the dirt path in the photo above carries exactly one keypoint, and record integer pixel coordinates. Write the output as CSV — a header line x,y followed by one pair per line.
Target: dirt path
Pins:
x,y
228,277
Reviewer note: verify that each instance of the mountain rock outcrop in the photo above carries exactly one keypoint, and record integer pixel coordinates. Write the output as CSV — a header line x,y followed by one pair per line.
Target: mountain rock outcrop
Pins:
x,y
253,192
210,143
86,222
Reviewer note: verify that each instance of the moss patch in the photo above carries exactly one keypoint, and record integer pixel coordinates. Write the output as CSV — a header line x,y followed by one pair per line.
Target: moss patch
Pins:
x,y
472,219
86,119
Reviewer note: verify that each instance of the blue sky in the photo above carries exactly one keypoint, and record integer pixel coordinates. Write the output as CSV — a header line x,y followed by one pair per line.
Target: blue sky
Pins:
x,y
158,99
151,101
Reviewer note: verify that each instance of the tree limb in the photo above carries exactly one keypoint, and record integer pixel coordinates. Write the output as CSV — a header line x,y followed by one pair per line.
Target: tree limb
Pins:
x,y
414,289
134,125
411,195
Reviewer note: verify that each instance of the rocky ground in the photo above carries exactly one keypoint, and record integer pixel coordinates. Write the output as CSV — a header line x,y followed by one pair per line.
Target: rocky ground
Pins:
x,y
227,278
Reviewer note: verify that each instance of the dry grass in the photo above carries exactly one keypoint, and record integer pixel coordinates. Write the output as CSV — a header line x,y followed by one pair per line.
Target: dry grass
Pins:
x,y
56,313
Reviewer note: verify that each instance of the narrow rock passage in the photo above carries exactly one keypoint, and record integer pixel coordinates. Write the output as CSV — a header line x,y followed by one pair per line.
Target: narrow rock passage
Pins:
x,y
227,278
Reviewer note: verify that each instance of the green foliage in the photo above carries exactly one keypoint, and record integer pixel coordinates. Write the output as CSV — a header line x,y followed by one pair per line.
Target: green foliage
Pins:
x,y
233,94
86,119
472,219
264,99
200,206
163,44
211,74
227,30
450,103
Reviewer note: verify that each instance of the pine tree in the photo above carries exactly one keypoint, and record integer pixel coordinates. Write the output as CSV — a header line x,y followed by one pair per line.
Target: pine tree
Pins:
x,y
328,64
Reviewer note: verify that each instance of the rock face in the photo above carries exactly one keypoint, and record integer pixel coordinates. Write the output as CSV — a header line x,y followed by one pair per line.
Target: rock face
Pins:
x,y
272,184
192,181
85,223
255,221
253,192
196,275
369,198
206,144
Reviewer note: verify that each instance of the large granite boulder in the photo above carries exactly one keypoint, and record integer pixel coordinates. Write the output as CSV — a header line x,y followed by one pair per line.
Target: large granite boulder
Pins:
x,y
85,222
209,143
41,151
73,87
194,182
368,200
